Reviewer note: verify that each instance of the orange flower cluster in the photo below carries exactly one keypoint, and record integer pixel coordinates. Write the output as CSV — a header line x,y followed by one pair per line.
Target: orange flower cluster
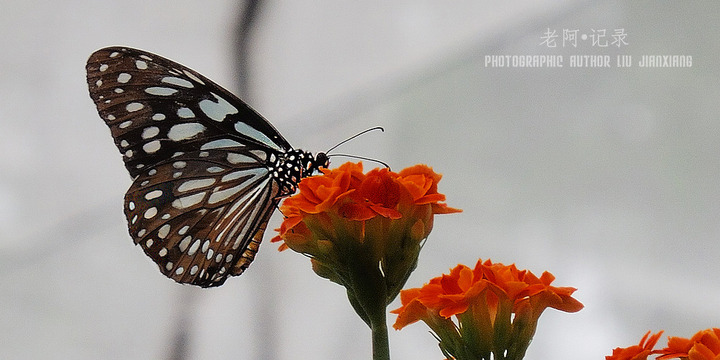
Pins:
x,y
354,225
348,194
497,308
640,351
704,345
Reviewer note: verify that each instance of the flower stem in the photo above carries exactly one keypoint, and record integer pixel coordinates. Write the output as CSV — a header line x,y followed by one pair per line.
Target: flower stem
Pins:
x,y
380,345
367,292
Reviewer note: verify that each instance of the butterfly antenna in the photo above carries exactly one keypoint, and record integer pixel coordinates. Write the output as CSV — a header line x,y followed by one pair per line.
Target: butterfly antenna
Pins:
x,y
363,158
354,136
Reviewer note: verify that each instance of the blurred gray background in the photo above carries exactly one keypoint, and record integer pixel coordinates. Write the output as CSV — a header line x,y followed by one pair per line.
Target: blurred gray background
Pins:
x,y
608,178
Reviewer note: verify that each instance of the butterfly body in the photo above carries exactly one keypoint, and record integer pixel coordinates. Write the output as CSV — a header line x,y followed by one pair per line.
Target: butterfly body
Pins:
x,y
208,171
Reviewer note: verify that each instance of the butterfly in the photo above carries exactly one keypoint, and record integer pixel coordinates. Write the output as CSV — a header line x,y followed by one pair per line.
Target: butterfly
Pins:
x,y
208,171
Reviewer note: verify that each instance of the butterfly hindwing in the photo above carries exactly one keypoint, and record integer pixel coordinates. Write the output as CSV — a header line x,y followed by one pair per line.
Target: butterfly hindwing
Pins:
x,y
196,214
208,171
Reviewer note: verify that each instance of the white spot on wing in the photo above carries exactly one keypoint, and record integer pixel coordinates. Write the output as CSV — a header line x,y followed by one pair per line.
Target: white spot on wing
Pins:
x,y
190,75
185,131
153,194
103,67
124,78
217,110
164,231
233,176
152,146
195,184
194,247
141,65
160,91
150,132
185,113
220,143
221,195
188,201
125,124
134,106
215,169
184,243
149,213
177,81
235,158
252,133
158,117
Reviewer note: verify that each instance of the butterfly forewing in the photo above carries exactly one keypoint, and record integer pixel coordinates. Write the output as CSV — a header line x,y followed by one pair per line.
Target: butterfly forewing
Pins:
x,y
149,101
208,171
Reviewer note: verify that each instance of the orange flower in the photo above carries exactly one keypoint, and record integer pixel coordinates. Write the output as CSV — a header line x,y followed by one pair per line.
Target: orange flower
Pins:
x,y
453,293
539,295
640,351
412,309
352,195
496,307
704,345
363,231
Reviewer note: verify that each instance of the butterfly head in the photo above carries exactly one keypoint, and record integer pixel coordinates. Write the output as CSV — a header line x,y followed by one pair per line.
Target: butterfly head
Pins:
x,y
314,164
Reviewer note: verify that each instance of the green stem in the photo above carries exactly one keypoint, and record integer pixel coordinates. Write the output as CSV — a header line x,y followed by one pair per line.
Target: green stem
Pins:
x,y
368,295
380,345
368,292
